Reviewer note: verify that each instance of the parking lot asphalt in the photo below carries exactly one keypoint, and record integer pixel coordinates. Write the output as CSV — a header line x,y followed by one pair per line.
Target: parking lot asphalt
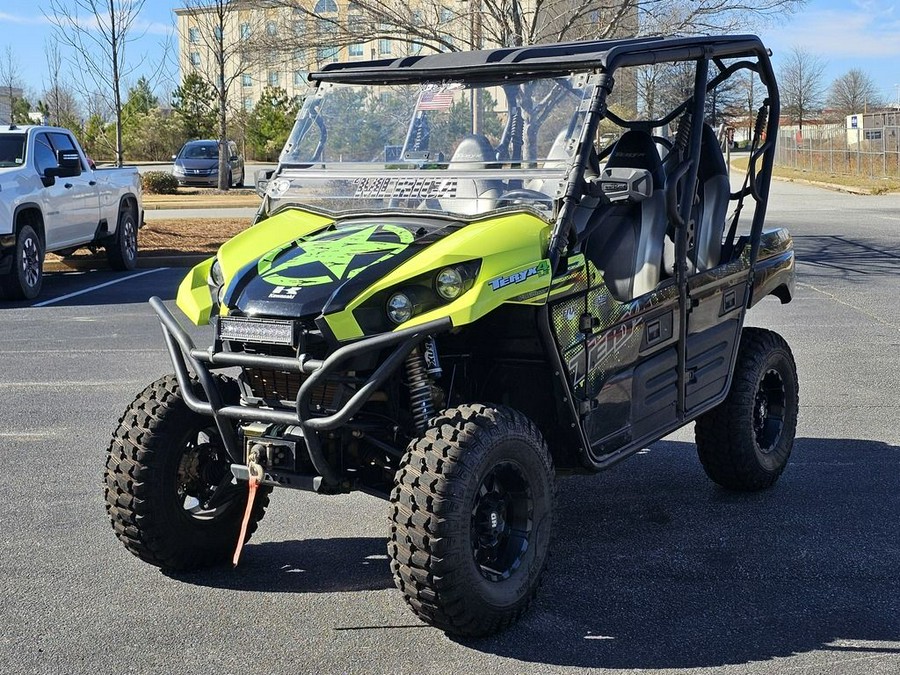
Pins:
x,y
655,569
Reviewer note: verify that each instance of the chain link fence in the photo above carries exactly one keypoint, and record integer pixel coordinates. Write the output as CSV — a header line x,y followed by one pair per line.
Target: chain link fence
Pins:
x,y
865,145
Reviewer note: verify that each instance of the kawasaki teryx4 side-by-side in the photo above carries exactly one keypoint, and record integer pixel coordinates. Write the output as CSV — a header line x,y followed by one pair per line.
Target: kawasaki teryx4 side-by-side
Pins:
x,y
472,273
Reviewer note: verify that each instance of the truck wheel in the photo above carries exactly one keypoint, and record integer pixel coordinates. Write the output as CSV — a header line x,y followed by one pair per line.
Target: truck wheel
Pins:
x,y
471,519
122,251
168,487
26,275
744,443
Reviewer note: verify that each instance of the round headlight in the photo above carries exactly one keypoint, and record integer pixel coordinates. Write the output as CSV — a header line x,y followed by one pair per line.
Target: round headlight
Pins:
x,y
448,283
399,308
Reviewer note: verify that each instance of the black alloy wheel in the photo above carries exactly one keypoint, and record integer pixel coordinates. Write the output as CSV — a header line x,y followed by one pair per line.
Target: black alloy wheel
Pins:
x,y
501,521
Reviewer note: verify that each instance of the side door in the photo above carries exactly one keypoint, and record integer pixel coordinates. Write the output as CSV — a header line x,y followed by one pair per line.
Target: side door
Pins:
x,y
83,202
60,227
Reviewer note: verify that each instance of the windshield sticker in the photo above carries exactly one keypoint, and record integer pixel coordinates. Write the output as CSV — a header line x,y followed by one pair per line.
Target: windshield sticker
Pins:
x,y
540,269
405,188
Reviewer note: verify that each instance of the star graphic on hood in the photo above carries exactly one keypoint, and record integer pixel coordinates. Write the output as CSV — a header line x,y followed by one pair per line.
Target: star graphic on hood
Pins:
x,y
337,253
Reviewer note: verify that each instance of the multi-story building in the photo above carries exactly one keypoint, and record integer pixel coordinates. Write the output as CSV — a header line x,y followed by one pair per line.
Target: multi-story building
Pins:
x,y
5,95
265,44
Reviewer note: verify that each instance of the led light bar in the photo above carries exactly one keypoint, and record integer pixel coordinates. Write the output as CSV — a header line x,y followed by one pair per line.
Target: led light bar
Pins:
x,y
265,331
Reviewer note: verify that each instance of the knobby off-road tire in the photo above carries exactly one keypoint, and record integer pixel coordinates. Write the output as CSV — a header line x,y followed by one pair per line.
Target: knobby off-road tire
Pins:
x,y
26,275
472,519
122,251
745,442
163,460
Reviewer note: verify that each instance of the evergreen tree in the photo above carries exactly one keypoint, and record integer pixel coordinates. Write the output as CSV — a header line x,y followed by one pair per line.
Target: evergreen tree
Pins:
x,y
194,104
270,123
140,100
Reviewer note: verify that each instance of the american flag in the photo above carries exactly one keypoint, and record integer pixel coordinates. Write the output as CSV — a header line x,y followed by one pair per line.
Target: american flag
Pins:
x,y
435,100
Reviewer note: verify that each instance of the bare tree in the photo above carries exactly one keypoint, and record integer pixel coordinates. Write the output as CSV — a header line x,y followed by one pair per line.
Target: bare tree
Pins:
x,y
228,45
800,77
98,32
54,69
472,24
853,92
10,80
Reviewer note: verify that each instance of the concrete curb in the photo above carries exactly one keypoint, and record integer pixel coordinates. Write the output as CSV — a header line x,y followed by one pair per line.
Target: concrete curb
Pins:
x,y
835,187
143,262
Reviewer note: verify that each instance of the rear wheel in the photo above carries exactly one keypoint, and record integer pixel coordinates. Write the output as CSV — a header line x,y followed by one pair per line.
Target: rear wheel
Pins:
x,y
471,519
745,442
169,492
26,274
123,249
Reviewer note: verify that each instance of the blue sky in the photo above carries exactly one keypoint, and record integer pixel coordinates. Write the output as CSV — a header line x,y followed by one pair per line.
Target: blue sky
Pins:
x,y
847,34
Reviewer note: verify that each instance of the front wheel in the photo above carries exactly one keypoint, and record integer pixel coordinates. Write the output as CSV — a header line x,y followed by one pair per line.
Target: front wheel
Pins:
x,y
26,275
744,443
472,518
169,491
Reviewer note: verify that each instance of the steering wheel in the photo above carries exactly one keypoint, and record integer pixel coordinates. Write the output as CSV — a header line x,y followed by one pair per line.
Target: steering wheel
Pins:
x,y
523,195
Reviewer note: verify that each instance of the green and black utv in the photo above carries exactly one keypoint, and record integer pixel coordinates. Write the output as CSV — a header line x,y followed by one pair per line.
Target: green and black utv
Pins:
x,y
472,273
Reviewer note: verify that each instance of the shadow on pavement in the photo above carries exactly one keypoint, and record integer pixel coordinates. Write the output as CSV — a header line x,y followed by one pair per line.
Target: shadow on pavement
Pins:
x,y
834,256
304,566
103,287
656,567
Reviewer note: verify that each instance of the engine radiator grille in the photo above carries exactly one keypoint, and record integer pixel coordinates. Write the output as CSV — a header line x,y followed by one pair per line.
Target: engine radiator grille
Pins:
x,y
276,385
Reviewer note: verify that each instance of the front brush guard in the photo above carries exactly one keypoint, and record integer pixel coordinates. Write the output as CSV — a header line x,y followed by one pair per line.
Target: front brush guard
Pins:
x,y
184,353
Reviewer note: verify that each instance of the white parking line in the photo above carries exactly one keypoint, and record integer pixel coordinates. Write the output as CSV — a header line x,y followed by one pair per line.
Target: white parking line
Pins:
x,y
97,287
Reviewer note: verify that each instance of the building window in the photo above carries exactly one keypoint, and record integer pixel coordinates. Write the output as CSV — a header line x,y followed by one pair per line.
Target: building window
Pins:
x,y
245,31
274,78
327,54
384,44
193,35
195,59
300,55
271,29
326,7
356,26
248,104
300,78
217,33
246,80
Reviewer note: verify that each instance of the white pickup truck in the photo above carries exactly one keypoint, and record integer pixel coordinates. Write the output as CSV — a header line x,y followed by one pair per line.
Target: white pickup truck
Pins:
x,y
53,200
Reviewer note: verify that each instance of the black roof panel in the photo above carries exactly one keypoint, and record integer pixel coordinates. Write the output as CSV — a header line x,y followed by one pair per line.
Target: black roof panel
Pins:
x,y
543,59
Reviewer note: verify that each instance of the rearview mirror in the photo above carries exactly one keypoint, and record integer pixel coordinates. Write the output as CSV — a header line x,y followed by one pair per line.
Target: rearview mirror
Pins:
x,y
263,176
69,165
621,184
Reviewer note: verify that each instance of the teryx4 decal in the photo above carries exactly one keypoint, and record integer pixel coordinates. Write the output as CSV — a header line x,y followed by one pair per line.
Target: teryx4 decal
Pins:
x,y
540,269
331,257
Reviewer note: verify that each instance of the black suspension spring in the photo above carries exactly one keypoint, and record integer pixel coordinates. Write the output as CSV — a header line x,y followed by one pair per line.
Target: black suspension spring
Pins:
x,y
683,135
420,397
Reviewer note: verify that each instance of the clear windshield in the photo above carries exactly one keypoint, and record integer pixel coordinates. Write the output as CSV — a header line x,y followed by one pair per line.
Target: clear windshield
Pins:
x,y
448,147
200,151
12,150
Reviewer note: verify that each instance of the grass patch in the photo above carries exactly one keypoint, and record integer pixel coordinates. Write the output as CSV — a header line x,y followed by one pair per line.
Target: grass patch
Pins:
x,y
871,185
177,236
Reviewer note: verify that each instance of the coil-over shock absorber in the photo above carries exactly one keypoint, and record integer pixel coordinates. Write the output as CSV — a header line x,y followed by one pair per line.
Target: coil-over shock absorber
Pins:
x,y
420,396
